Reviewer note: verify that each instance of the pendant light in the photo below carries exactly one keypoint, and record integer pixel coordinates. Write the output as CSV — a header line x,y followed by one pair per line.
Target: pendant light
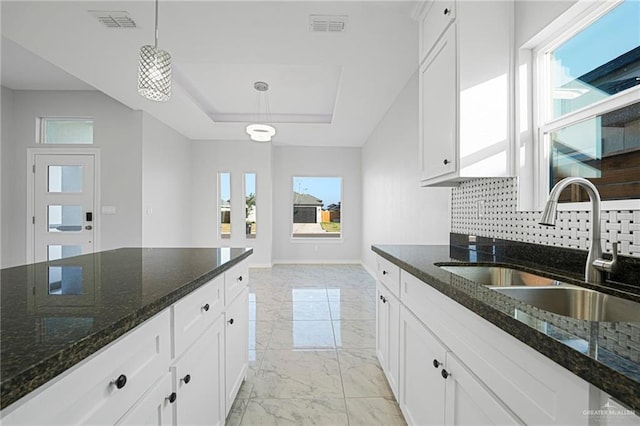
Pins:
x,y
262,132
154,70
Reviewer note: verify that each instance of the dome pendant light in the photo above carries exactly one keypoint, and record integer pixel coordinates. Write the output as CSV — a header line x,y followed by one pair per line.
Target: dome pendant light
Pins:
x,y
261,132
154,70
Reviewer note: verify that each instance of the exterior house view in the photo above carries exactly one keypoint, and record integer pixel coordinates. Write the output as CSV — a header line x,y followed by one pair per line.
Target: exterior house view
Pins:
x,y
299,212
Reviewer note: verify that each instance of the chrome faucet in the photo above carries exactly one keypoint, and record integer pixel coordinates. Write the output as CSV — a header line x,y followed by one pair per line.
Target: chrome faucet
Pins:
x,y
596,265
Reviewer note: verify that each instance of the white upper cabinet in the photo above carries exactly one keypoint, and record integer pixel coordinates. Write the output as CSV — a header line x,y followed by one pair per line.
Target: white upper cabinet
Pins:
x,y
465,91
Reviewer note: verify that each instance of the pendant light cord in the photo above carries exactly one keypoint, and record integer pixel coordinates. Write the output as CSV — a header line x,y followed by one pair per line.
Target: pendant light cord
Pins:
x,y
156,34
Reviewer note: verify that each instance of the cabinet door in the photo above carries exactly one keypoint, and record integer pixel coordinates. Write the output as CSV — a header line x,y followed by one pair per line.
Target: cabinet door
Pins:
x,y
382,327
154,408
438,17
422,388
199,381
439,109
469,402
236,346
393,366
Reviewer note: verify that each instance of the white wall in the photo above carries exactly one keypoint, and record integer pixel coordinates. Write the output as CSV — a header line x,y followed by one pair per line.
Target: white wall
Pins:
x,y
118,135
307,161
6,110
166,185
236,157
396,210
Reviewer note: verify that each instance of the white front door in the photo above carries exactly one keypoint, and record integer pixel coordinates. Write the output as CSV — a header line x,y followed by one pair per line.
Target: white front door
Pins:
x,y
64,203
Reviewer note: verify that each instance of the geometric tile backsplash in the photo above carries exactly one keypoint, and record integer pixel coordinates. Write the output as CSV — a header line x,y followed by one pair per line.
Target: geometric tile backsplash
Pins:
x,y
488,207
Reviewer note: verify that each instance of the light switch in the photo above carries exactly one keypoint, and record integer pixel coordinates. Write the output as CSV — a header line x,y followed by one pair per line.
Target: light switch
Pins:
x,y
109,210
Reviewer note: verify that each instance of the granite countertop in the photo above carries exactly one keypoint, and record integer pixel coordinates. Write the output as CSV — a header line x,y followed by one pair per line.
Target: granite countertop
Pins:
x,y
603,354
55,314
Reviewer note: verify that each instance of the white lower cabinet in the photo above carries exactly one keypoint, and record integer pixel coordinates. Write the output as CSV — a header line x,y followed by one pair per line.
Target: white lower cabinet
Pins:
x,y
156,407
491,377
198,377
468,401
236,346
436,388
422,388
388,334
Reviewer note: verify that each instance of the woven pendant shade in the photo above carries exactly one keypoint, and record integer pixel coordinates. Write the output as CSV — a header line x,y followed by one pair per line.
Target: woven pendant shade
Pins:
x,y
154,74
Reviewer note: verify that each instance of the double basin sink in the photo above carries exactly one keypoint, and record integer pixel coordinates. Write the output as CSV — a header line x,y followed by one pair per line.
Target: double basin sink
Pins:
x,y
551,295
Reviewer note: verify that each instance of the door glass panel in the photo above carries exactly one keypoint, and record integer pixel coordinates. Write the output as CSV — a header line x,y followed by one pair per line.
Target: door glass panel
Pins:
x,y
60,252
224,180
65,218
65,179
65,280
250,204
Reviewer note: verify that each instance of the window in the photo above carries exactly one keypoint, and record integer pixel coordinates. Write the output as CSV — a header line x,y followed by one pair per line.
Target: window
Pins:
x,y
250,204
224,197
66,130
316,206
589,114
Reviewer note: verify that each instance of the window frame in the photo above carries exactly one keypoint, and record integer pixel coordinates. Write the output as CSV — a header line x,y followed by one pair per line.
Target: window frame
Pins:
x,y
579,17
42,131
319,239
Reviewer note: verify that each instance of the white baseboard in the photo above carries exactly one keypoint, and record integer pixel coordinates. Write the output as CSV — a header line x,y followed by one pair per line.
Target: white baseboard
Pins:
x,y
318,262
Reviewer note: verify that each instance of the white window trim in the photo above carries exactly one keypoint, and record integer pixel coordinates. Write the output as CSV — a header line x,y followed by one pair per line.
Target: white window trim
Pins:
x,y
40,129
322,240
578,17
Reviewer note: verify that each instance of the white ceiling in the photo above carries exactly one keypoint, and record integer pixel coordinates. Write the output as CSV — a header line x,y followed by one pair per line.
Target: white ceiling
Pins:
x,y
326,89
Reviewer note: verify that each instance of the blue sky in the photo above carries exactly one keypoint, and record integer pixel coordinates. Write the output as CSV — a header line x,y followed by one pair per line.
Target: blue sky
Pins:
x,y
612,35
328,189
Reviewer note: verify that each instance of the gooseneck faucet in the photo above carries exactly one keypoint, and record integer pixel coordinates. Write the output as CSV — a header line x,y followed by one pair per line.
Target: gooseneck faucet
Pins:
x,y
596,265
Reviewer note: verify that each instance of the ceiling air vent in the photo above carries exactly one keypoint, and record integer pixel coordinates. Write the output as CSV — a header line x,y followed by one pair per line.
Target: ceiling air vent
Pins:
x,y
327,23
114,18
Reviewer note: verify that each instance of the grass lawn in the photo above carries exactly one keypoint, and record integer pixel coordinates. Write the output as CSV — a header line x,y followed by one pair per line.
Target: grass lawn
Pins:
x,y
331,226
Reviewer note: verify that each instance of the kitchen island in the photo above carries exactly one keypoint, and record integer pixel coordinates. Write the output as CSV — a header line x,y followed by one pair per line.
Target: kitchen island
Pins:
x,y
56,315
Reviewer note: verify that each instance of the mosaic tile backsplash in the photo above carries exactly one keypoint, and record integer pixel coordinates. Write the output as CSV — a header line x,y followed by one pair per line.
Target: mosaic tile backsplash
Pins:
x,y
497,201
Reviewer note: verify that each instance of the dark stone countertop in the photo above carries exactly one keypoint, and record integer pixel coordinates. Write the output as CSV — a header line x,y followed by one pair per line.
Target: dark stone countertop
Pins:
x,y
603,354
55,314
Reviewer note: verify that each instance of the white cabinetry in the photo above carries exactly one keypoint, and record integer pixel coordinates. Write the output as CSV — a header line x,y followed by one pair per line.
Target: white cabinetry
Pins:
x,y
387,334
184,366
465,91
103,387
198,377
154,408
422,390
236,346
454,367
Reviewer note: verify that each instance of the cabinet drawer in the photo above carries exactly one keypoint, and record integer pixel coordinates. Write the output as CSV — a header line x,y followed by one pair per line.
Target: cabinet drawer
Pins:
x,y
389,275
235,279
439,15
196,312
89,394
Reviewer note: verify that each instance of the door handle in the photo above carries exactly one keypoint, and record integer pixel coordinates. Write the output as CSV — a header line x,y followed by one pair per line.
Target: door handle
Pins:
x,y
88,227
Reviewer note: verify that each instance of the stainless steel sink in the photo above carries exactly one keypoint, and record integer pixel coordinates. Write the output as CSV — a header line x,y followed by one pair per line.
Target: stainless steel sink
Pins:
x,y
499,276
577,302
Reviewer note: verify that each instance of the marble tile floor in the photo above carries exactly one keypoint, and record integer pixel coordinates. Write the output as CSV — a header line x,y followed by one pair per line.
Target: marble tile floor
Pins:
x,y
312,350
